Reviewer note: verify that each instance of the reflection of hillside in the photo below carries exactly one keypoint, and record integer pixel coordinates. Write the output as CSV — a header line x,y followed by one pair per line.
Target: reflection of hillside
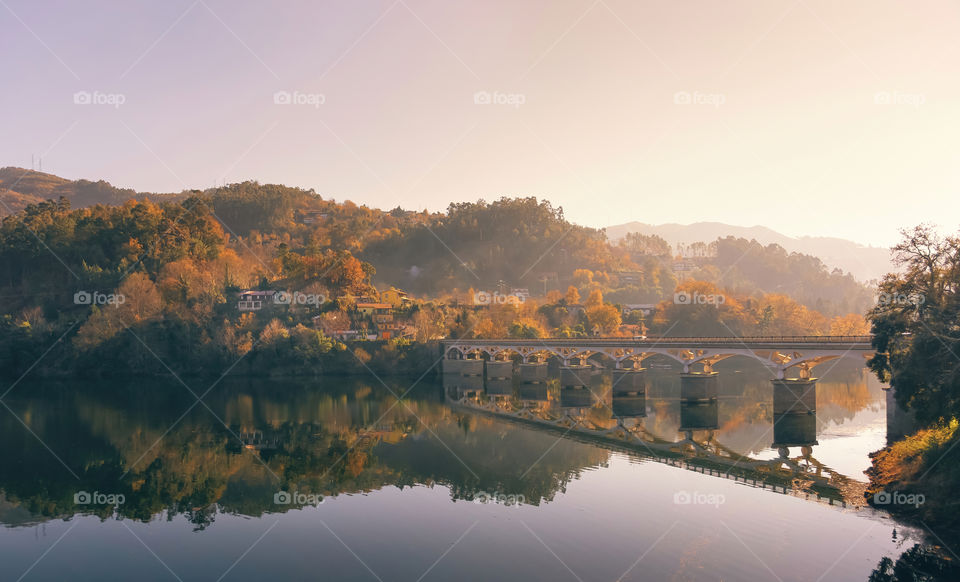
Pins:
x,y
494,457
345,438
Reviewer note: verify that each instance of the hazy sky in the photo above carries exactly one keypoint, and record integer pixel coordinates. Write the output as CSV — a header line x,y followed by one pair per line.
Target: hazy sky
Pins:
x,y
810,117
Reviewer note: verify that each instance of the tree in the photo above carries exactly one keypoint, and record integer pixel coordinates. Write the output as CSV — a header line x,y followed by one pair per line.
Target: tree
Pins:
x,y
572,297
914,326
605,317
594,299
850,324
646,244
582,277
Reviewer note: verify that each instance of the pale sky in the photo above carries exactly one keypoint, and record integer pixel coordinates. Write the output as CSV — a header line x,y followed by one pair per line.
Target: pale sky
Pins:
x,y
810,117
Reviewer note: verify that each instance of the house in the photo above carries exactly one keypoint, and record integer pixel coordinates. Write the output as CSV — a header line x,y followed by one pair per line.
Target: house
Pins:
x,y
393,330
630,277
395,297
255,300
312,216
631,330
644,308
358,299
335,329
379,312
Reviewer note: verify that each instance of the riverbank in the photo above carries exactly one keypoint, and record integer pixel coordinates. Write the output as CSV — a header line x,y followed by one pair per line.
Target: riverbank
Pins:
x,y
917,479
153,353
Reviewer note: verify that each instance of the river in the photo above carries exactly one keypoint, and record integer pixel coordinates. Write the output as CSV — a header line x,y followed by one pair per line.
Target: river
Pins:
x,y
430,479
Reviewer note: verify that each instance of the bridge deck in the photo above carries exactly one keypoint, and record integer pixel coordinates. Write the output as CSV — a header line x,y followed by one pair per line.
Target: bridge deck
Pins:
x,y
840,342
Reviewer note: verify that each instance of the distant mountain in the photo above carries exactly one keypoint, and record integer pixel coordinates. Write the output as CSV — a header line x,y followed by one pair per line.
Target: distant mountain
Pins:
x,y
20,187
863,262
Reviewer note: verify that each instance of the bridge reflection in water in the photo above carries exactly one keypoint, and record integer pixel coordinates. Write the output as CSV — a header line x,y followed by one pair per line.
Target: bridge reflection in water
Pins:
x,y
611,410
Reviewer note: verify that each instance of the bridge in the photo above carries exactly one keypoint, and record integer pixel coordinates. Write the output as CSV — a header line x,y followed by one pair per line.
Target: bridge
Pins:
x,y
780,354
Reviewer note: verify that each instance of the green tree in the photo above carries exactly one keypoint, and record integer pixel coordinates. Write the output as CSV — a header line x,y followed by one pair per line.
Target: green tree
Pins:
x,y
915,325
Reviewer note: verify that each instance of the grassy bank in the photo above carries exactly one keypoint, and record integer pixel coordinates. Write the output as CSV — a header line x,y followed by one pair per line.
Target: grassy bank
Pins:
x,y
918,479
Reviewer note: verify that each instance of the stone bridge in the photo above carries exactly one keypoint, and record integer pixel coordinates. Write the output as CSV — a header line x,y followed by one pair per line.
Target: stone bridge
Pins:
x,y
781,354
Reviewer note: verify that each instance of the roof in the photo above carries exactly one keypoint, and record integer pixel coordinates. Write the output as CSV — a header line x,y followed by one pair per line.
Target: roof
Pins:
x,y
259,293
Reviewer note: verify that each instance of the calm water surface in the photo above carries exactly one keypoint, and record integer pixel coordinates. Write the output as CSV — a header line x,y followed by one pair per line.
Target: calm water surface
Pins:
x,y
339,480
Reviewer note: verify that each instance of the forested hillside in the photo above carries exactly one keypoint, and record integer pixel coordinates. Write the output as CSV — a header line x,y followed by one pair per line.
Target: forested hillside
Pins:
x,y
176,268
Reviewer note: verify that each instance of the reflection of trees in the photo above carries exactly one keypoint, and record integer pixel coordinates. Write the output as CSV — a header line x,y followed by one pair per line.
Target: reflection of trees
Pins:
x,y
493,457
918,564
345,438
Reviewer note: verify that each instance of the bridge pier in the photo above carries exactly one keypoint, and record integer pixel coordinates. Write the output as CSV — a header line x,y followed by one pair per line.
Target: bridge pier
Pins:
x,y
699,415
500,386
575,375
629,381
634,406
533,372
500,369
794,430
452,367
576,397
464,367
795,396
534,392
699,386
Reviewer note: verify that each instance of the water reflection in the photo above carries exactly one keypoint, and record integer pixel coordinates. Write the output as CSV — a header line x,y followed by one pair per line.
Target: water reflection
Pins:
x,y
649,415
254,442
593,458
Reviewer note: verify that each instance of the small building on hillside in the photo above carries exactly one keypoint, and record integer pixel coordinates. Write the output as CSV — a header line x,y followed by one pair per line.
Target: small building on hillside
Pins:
x,y
645,308
312,216
255,300
393,330
395,297
630,277
337,329
379,312
358,299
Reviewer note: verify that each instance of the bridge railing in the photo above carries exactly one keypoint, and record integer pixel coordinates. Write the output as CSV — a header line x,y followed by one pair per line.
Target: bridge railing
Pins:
x,y
783,339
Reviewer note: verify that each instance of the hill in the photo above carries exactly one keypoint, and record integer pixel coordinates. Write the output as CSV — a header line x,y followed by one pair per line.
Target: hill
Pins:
x,y
863,262
20,187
